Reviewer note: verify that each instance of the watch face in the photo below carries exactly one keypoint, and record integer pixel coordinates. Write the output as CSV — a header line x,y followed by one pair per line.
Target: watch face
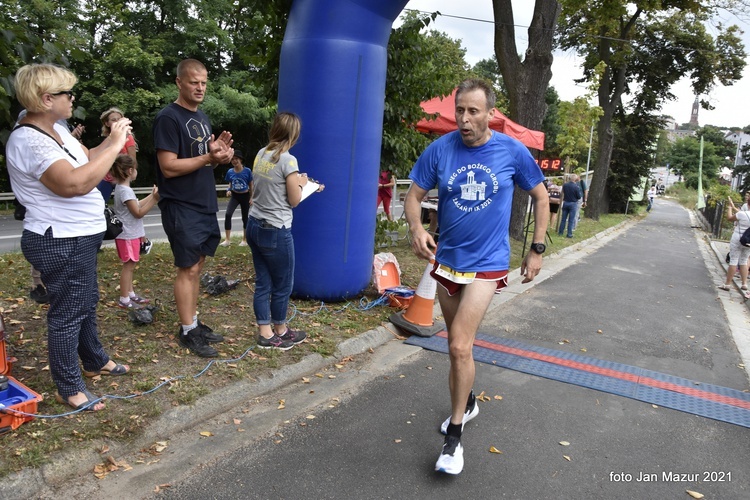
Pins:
x,y
538,247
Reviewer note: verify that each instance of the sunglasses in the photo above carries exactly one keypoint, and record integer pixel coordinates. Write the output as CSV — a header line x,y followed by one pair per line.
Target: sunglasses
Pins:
x,y
68,93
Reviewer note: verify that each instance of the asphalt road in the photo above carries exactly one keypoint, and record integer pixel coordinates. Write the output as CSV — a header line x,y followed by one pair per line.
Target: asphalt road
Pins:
x,y
11,229
368,426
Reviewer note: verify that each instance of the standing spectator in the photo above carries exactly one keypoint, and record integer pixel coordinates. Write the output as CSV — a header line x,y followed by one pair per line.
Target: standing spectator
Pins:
x,y
555,195
651,196
108,118
738,253
130,211
186,155
582,202
278,189
475,170
38,291
240,179
571,194
54,177
386,182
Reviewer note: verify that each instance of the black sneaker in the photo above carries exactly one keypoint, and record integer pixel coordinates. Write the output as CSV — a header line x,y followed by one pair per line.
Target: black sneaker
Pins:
x,y
195,341
294,336
274,342
209,334
146,246
471,411
39,294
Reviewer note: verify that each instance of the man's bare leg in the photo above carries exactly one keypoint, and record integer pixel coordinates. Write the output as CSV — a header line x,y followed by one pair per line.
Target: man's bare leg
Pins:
x,y
463,314
186,289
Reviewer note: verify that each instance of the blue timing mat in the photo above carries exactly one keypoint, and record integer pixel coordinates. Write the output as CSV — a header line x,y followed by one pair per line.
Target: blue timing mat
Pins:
x,y
711,401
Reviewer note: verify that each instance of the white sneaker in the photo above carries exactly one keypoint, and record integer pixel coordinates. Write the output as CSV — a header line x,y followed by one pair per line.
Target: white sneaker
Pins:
x,y
225,243
451,460
469,414
243,243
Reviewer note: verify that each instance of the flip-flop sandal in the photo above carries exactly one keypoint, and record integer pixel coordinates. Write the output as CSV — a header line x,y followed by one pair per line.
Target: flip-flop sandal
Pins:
x,y
724,287
116,371
91,401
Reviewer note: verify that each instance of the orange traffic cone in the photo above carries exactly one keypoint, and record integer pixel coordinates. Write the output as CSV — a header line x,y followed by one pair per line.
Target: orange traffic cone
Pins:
x,y
417,319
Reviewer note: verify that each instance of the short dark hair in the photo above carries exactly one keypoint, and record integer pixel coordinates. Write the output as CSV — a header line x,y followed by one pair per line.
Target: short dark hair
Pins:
x,y
189,64
478,84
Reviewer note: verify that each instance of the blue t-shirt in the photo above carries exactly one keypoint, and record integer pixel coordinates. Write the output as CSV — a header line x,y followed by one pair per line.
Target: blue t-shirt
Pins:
x,y
239,182
475,194
186,133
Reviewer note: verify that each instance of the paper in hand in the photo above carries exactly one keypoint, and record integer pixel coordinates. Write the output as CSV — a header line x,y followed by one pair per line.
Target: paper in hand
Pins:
x,y
309,188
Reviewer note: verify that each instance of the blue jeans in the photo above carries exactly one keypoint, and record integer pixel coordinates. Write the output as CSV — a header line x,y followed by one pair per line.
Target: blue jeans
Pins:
x,y
273,257
569,209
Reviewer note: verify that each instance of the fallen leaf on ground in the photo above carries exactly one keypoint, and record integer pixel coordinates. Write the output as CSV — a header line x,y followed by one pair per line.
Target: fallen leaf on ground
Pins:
x,y
566,457
498,397
694,494
495,450
564,443
206,434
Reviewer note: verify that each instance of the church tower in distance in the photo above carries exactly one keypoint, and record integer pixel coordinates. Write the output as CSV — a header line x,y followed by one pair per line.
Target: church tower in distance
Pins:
x,y
694,113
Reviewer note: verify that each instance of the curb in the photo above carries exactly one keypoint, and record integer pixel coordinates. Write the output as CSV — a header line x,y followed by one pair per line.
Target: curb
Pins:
x,y
29,483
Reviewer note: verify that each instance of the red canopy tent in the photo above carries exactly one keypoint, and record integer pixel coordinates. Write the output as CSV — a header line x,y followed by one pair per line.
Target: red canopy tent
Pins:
x,y
446,122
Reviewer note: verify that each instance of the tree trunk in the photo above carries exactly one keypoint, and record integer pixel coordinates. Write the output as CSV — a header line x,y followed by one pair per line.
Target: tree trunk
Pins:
x,y
525,80
597,202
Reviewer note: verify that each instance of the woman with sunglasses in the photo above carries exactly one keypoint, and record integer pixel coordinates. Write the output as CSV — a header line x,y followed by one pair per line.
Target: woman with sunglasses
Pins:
x,y
55,177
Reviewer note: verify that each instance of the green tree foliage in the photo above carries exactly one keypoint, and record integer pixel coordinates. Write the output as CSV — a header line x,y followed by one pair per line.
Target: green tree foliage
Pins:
x,y
125,55
684,159
551,124
632,154
576,119
647,46
420,66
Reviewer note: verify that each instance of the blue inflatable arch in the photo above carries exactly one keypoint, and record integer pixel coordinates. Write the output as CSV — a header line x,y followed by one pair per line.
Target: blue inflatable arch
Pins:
x,y
332,74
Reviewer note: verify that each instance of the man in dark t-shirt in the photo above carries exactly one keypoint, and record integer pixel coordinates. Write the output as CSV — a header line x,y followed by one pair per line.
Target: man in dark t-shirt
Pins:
x,y
187,153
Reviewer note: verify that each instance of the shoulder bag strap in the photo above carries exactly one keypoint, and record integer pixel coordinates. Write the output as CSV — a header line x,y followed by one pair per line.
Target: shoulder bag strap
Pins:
x,y
45,133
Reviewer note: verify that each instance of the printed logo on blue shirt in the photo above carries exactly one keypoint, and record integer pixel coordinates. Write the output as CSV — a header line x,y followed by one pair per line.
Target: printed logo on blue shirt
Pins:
x,y
473,181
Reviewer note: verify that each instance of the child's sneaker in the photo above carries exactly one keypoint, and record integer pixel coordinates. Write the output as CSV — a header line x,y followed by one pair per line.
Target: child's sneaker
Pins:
x,y
225,243
127,305
139,300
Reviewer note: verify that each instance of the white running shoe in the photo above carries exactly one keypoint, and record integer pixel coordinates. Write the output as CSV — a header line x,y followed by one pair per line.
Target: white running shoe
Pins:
x,y
225,243
469,414
451,460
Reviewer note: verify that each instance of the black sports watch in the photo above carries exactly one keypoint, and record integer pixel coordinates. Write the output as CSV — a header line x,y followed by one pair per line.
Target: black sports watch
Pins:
x,y
538,248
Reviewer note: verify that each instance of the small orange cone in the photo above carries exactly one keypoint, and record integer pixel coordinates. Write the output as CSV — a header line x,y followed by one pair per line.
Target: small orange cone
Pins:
x,y
417,319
